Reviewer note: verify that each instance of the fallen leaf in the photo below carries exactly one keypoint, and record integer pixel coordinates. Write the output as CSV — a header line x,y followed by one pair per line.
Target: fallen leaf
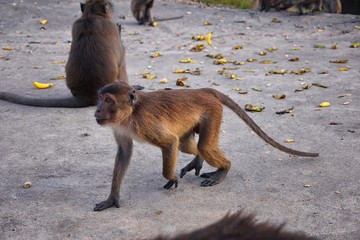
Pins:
x,y
319,85
290,110
197,48
295,48
324,72
262,53
249,70
242,92
181,82
221,61
207,23
62,77
148,76
355,44
154,24
208,39
58,62
154,55
43,22
251,108
282,71
275,20
342,69
295,59
8,48
335,46
267,62
319,46
251,60
339,61
238,63
198,37
272,49
279,96
187,60
163,81
289,140
193,72
337,192
236,89
237,47
301,71
217,56
324,104
256,89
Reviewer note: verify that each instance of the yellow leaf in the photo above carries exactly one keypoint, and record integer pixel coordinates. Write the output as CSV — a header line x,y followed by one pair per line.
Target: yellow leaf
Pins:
x,y
262,53
208,39
217,56
221,61
149,76
275,20
187,60
154,55
251,60
267,62
154,24
282,71
289,140
272,49
198,37
294,59
8,48
238,63
279,96
319,46
58,78
58,62
237,47
335,46
339,61
163,81
251,108
42,85
44,21
355,44
181,71
207,23
324,104
197,48
181,82
343,69
295,48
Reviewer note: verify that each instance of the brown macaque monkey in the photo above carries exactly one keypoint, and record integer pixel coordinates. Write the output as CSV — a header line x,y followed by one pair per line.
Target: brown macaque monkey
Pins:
x,y
240,227
169,119
300,3
97,58
332,6
142,12
277,4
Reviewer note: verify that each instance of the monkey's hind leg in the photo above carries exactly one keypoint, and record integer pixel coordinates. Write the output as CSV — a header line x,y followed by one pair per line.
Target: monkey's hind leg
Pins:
x,y
122,161
209,150
169,162
189,145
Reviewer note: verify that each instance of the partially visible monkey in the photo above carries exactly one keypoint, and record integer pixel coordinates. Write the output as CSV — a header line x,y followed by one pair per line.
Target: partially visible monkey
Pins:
x,y
142,12
300,3
267,4
240,227
332,6
97,58
169,120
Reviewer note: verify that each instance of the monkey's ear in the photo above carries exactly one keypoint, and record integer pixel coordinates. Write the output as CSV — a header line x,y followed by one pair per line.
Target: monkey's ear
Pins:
x,y
82,7
132,96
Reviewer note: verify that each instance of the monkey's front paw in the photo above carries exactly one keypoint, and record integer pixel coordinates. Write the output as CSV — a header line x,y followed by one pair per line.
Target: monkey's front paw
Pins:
x,y
110,202
170,183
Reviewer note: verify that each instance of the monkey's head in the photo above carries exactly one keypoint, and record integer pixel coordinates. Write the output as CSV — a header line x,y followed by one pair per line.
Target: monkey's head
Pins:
x,y
115,104
97,7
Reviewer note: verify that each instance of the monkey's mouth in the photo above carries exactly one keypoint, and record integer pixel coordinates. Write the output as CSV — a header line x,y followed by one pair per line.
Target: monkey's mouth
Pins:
x,y
101,121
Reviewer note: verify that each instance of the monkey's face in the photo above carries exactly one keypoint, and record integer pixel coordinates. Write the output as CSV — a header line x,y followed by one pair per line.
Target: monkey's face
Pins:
x,y
112,109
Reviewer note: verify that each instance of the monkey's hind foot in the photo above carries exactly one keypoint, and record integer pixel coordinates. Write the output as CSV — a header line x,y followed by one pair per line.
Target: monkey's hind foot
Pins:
x,y
213,178
110,202
196,164
170,183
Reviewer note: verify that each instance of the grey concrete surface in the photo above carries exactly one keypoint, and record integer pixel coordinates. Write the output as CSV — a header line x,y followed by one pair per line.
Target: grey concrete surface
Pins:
x,y
69,158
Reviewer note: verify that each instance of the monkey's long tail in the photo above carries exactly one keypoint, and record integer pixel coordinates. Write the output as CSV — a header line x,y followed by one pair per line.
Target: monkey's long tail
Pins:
x,y
67,102
228,102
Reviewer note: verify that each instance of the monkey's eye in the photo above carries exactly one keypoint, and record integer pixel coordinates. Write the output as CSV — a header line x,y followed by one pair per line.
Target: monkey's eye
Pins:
x,y
108,100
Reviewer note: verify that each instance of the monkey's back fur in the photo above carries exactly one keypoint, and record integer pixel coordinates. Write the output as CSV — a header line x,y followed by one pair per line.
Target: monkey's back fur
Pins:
x,y
239,227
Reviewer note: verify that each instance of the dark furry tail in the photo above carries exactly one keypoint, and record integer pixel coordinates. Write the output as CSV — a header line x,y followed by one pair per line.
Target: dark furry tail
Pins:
x,y
228,102
68,102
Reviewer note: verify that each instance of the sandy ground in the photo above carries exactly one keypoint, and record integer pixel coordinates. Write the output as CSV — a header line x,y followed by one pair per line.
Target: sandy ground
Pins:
x,y
69,158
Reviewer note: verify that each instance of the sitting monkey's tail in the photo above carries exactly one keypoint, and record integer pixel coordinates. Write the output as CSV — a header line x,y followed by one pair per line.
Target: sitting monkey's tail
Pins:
x,y
228,102
67,102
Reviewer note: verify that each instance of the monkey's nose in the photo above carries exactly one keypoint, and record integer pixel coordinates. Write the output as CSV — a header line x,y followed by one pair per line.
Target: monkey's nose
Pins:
x,y
100,120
